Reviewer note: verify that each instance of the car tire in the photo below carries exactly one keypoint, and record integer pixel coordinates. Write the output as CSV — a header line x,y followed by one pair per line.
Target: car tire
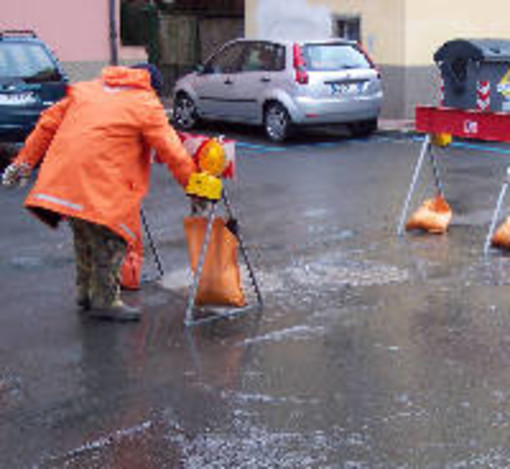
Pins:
x,y
7,153
185,115
363,128
277,122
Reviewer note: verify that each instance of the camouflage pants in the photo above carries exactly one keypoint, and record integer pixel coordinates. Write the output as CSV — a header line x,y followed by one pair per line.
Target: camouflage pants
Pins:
x,y
99,257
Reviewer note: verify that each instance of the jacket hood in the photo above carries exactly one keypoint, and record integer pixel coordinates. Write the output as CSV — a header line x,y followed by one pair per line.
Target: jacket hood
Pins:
x,y
125,76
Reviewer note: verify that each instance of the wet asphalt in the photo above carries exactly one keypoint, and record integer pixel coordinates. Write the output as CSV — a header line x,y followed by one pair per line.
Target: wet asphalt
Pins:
x,y
372,350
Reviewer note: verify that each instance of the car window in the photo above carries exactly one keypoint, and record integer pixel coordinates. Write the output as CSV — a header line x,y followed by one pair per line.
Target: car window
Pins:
x,y
226,60
264,56
327,57
30,62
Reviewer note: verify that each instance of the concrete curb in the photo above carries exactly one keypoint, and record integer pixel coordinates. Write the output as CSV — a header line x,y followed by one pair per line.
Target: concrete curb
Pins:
x,y
385,126
404,126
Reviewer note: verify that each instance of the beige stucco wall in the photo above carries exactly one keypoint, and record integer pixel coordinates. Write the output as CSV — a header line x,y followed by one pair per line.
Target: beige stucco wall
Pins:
x,y
382,28
408,32
382,25
250,18
289,19
382,21
396,32
401,35
430,23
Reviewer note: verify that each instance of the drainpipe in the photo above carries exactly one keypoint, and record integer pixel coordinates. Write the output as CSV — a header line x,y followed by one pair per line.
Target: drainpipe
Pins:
x,y
114,56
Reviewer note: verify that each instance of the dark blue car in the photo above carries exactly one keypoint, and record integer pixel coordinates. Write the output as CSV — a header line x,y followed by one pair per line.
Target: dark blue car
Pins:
x,y
31,79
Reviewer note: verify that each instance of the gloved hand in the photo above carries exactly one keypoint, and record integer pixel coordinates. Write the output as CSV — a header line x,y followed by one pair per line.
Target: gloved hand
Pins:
x,y
16,174
199,205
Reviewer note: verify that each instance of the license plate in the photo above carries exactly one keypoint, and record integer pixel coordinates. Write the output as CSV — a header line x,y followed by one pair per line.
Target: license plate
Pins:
x,y
16,99
345,88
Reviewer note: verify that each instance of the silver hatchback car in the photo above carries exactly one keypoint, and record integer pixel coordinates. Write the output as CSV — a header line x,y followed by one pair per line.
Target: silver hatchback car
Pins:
x,y
282,85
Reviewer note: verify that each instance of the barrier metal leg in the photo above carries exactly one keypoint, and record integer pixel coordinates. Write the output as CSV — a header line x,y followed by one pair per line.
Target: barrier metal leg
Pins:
x,y
151,243
495,215
424,150
435,172
244,252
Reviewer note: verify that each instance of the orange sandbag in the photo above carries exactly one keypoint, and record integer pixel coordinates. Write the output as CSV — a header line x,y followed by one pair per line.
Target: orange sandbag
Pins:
x,y
501,237
433,215
220,282
131,270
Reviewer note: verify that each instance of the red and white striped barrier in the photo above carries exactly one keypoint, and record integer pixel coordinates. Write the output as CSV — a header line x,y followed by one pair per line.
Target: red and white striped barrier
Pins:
x,y
464,123
483,95
441,92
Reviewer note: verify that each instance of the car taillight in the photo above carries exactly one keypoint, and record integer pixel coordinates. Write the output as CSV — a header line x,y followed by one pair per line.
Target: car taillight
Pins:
x,y
301,76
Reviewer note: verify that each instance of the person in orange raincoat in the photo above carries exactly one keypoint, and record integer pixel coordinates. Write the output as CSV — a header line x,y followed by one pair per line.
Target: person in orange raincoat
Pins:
x,y
95,166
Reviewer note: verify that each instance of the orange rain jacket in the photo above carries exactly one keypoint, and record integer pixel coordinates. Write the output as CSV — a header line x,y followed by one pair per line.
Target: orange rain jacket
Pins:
x,y
95,143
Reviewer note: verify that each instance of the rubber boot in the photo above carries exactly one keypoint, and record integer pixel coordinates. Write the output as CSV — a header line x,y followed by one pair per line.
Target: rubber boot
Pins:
x,y
83,303
119,311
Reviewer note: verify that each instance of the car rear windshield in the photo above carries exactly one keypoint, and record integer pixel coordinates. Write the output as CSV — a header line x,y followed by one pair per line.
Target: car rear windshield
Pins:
x,y
29,62
328,57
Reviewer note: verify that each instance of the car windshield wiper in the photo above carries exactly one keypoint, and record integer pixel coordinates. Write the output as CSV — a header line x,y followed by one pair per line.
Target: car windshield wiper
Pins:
x,y
48,74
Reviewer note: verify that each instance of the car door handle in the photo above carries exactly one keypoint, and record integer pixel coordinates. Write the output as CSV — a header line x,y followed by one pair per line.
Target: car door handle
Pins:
x,y
228,81
265,80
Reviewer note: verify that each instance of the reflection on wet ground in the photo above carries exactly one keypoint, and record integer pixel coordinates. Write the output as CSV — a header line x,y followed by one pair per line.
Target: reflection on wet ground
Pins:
x,y
372,351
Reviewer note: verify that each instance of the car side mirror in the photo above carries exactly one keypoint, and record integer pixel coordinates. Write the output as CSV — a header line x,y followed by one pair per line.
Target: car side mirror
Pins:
x,y
200,69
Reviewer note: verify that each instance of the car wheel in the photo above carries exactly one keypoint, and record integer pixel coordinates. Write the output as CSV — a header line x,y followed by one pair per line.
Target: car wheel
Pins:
x,y
277,123
184,112
363,128
7,153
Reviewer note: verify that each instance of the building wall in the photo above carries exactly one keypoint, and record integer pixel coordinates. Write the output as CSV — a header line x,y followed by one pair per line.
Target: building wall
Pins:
x,y
382,25
383,35
291,19
77,30
401,36
429,24
384,40
305,18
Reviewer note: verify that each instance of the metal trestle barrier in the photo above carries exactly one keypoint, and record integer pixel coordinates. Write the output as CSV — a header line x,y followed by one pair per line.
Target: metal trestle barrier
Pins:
x,y
426,150
220,312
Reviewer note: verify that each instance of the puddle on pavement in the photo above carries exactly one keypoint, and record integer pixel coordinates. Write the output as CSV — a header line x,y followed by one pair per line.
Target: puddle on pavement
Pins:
x,y
258,446
352,273
341,368
384,353
10,391
333,271
300,332
36,263
141,445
